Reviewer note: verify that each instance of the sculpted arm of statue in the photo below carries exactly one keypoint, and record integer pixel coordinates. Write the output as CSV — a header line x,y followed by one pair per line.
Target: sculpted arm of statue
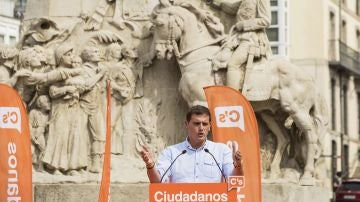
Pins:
x,y
21,73
228,6
153,174
262,20
56,91
52,76
60,75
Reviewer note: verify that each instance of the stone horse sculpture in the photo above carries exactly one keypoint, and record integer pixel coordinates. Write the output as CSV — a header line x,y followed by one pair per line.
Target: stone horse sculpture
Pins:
x,y
195,36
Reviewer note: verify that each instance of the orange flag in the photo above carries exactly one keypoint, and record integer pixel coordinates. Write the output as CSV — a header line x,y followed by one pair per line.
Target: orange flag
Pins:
x,y
233,119
15,148
104,194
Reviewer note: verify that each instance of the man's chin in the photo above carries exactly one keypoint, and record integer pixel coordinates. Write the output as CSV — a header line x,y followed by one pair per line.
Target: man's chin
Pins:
x,y
202,137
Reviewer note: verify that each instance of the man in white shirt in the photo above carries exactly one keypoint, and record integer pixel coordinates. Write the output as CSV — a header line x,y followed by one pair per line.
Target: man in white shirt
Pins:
x,y
196,159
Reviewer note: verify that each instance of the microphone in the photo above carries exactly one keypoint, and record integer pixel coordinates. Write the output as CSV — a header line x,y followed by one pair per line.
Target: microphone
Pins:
x,y
183,152
222,173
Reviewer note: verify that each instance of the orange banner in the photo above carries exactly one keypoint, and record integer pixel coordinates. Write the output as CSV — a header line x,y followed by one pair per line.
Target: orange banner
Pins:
x,y
104,194
194,192
233,119
15,148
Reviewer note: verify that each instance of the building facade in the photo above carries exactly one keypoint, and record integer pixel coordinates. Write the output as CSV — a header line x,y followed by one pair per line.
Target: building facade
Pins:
x,y
10,21
323,37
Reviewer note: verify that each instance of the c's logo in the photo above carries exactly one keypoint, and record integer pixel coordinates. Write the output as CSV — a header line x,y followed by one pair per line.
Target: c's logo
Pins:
x,y
236,182
10,117
230,116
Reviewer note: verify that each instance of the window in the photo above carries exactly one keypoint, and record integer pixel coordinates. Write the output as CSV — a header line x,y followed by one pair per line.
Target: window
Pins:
x,y
358,103
333,104
333,158
12,40
273,2
2,38
278,30
357,7
344,108
274,18
343,31
332,26
358,39
273,34
332,38
275,50
345,161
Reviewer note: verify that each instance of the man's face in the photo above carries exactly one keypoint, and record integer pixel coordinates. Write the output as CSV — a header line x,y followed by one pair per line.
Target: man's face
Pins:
x,y
197,129
94,55
67,58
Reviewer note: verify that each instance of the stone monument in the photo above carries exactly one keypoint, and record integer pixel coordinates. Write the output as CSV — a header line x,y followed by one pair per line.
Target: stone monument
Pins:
x,y
158,55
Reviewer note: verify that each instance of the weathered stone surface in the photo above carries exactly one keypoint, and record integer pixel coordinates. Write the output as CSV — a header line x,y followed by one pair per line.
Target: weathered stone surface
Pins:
x,y
88,192
294,193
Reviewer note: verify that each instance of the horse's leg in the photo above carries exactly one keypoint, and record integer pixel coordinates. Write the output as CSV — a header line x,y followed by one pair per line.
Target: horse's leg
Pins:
x,y
282,142
303,120
192,83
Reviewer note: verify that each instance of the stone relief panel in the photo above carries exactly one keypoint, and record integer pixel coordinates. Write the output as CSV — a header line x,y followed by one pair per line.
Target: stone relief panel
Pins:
x,y
158,56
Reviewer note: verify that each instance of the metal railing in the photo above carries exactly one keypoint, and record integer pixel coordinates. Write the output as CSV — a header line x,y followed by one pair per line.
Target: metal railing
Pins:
x,y
346,57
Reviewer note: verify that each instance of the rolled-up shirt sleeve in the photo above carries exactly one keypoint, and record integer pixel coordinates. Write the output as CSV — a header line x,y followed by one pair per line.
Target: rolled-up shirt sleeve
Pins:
x,y
227,165
163,163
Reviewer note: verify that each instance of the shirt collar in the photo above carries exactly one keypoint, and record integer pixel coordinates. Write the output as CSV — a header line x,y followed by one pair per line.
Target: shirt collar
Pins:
x,y
188,145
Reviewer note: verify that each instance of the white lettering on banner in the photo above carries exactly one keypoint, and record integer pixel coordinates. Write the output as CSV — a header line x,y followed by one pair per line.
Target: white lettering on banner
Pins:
x,y
12,188
230,116
10,118
195,196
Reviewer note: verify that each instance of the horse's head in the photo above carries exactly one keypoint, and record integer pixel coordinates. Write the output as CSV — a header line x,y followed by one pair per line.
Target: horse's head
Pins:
x,y
181,29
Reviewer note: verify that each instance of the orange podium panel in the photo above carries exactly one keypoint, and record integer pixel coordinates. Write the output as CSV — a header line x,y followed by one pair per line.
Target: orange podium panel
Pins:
x,y
191,192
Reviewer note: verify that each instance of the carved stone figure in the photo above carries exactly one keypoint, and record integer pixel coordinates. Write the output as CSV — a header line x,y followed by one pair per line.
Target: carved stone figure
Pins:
x,y
8,68
192,52
32,59
123,82
67,146
38,75
279,85
90,102
125,13
247,42
39,121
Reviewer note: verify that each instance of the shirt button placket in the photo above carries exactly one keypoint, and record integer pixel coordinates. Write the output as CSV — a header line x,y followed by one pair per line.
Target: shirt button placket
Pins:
x,y
196,166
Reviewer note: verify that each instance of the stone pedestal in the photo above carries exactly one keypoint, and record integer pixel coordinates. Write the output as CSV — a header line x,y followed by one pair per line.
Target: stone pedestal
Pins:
x,y
89,192
139,193
294,193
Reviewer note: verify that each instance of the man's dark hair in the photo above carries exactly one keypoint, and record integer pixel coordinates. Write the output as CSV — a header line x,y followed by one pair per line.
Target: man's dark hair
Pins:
x,y
197,110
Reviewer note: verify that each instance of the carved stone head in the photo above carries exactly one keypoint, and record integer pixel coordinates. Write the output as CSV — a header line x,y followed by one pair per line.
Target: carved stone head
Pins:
x,y
64,55
32,58
7,55
113,52
43,102
91,54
